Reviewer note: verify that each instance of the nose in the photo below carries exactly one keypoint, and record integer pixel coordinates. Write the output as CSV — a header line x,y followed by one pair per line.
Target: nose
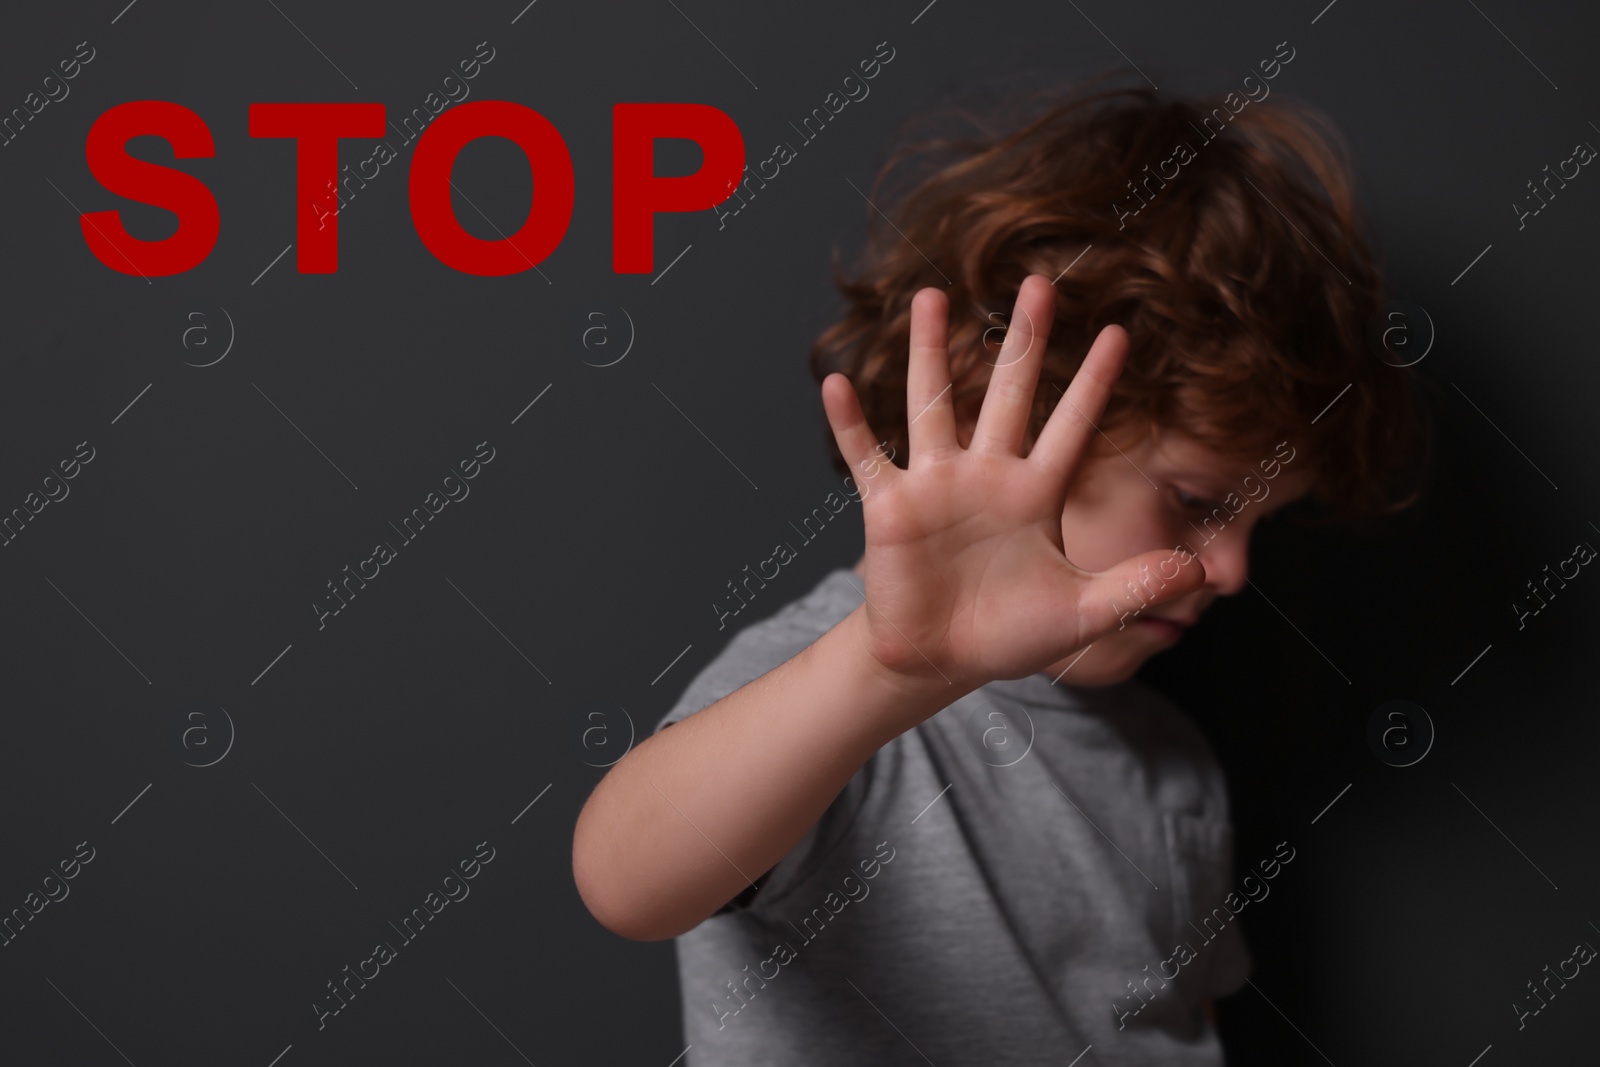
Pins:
x,y
1227,562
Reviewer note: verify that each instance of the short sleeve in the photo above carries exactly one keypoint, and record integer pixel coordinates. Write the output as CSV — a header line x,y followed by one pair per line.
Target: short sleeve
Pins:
x,y
753,652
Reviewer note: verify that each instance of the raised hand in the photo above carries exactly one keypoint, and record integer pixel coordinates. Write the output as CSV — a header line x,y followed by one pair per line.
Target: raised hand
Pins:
x,y
966,578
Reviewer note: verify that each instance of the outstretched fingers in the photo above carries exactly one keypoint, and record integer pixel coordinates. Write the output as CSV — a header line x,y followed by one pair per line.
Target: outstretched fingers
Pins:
x,y
858,444
930,407
1008,401
1077,413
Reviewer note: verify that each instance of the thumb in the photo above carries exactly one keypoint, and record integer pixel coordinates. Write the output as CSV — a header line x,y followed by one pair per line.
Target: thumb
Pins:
x,y
1116,598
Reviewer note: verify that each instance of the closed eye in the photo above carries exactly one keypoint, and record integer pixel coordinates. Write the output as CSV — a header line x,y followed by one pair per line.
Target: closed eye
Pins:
x,y
1193,503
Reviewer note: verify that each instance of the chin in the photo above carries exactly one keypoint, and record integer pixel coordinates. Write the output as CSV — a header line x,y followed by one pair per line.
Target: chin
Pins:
x,y
1085,675
1107,678
1108,662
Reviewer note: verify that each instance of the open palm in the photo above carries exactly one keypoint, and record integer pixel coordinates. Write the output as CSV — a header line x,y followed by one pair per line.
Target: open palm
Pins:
x,y
966,576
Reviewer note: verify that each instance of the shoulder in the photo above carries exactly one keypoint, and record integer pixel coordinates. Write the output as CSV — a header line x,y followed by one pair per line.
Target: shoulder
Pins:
x,y
766,644
1180,737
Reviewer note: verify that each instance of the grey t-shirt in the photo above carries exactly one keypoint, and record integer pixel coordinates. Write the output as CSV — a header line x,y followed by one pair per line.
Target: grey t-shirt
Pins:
x,y
1008,882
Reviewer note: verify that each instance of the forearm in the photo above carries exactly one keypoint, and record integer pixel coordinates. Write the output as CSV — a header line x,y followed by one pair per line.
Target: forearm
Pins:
x,y
698,811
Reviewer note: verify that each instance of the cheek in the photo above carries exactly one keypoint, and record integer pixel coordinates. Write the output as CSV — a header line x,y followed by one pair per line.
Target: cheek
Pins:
x,y
1097,537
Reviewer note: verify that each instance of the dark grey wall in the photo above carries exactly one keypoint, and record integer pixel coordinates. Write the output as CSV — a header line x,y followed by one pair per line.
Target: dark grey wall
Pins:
x,y
163,608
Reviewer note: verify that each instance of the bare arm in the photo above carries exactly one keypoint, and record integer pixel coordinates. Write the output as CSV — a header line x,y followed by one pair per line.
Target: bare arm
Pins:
x,y
966,582
696,812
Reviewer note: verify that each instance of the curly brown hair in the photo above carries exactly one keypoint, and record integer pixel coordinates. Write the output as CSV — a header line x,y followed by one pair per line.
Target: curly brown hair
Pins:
x,y
1243,281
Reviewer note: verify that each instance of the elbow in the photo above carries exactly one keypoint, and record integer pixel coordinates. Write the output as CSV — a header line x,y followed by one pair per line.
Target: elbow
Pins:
x,y
617,918
596,888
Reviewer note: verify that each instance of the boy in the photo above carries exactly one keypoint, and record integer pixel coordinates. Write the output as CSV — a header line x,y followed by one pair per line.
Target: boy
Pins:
x,y
924,813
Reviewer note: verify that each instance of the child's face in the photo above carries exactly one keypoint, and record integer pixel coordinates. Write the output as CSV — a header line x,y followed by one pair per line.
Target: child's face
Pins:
x,y
1145,497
